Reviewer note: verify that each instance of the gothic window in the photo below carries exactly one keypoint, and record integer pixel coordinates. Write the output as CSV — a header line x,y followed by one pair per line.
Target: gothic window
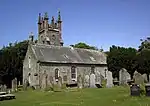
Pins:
x,y
29,59
73,72
92,69
56,74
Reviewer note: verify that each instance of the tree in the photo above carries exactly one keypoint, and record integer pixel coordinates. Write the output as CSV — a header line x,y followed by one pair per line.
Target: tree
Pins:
x,y
85,46
120,57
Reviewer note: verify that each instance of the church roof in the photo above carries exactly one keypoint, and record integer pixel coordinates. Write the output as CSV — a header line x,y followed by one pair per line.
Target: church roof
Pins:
x,y
57,54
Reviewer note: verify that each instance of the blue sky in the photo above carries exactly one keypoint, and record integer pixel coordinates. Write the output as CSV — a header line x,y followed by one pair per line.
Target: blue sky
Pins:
x,y
100,23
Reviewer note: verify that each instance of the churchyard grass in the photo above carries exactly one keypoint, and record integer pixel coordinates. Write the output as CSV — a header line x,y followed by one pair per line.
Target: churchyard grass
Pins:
x,y
116,96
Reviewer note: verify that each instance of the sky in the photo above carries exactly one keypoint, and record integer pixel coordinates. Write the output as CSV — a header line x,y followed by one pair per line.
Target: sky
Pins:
x,y
100,23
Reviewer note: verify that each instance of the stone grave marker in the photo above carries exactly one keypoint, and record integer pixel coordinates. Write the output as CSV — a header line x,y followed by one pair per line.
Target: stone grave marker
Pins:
x,y
124,76
98,79
92,81
86,81
59,82
44,80
145,78
135,90
138,78
80,84
109,83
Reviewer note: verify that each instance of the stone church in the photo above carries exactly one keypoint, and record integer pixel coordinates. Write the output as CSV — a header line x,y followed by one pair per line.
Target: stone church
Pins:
x,y
47,61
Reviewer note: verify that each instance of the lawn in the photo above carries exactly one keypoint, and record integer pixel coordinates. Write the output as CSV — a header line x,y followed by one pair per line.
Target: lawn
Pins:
x,y
87,97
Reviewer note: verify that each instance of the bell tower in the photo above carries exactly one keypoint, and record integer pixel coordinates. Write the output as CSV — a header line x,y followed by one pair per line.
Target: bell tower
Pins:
x,y
50,34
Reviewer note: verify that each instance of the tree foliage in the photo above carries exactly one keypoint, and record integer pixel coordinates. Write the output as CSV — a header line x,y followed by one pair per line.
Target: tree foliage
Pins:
x,y
84,46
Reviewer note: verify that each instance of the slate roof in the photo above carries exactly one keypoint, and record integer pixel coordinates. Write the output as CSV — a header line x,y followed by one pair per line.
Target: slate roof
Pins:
x,y
57,54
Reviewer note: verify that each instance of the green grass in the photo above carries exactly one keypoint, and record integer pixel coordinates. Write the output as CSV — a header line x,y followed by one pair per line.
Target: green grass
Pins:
x,y
117,96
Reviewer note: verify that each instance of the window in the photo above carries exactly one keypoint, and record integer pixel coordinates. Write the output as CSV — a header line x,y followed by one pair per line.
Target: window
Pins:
x,y
93,70
73,73
29,59
56,74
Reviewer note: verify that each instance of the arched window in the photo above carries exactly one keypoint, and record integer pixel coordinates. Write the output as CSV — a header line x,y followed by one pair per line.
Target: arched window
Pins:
x,y
73,73
93,70
56,74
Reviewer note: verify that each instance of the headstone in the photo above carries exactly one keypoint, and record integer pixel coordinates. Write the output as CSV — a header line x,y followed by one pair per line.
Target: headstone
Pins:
x,y
92,81
86,81
138,78
98,79
25,84
109,80
147,89
51,83
124,76
14,85
59,82
44,80
145,78
5,88
135,90
80,84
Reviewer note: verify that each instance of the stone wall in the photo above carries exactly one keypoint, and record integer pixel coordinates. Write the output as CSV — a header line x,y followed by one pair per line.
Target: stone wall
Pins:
x,y
33,80
65,72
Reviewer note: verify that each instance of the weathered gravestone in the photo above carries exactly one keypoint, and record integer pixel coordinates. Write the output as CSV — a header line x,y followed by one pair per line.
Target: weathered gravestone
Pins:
x,y
124,76
145,78
14,85
109,83
138,78
79,80
59,82
3,88
25,84
92,81
44,80
98,79
86,81
51,82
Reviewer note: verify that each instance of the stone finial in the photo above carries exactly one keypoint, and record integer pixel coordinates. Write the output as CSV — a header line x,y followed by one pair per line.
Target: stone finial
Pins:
x,y
39,20
59,16
46,15
31,36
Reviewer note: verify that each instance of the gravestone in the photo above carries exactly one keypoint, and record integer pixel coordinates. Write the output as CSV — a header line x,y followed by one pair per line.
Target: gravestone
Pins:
x,y
44,80
98,79
147,89
25,85
145,78
135,90
138,78
14,85
92,81
109,83
51,82
86,81
80,84
59,82
124,76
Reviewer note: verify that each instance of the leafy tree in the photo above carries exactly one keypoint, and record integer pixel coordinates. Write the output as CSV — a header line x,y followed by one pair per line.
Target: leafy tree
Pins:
x,y
120,57
85,46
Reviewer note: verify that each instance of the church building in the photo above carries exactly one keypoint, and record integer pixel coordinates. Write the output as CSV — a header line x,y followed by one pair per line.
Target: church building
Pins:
x,y
47,61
